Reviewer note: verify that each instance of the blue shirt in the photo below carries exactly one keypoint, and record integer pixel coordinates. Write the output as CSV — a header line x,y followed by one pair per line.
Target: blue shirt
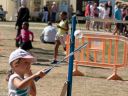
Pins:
x,y
118,14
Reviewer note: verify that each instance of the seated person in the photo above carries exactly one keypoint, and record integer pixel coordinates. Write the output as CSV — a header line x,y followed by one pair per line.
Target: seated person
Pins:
x,y
48,34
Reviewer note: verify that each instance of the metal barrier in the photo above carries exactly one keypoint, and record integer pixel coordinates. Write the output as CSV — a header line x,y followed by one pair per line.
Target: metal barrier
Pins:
x,y
106,51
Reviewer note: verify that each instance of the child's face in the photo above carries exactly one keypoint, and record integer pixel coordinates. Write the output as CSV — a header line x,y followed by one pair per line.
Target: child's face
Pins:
x,y
63,16
22,66
24,26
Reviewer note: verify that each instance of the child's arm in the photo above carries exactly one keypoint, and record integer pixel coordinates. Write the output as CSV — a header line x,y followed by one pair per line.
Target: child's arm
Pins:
x,y
20,84
32,36
66,26
18,38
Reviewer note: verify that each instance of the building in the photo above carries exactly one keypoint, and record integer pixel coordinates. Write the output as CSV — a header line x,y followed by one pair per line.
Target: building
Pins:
x,y
35,6
12,6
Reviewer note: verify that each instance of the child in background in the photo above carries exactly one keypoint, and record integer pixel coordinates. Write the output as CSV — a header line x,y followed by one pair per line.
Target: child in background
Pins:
x,y
25,37
20,78
63,28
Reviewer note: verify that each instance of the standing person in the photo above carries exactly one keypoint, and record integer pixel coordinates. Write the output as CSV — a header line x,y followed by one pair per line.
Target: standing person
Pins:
x,y
101,14
124,12
118,16
63,28
45,14
125,29
20,78
2,13
22,16
25,37
48,34
71,10
96,15
110,15
53,12
87,15
106,16
1,8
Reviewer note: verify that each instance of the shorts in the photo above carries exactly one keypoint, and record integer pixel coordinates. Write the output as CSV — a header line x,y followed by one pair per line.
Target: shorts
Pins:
x,y
61,39
87,18
26,45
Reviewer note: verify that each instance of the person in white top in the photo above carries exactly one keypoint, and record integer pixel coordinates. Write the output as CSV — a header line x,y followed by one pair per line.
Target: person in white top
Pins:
x,y
20,78
101,14
48,34
54,10
106,16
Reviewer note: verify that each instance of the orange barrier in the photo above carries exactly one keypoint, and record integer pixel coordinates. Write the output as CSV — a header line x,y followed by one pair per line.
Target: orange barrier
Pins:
x,y
106,51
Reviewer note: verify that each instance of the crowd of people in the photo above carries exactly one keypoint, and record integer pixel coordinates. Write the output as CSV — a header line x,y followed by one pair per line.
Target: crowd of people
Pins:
x,y
50,12
106,11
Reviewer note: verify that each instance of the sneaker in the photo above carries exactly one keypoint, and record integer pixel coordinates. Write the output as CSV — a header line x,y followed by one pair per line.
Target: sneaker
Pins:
x,y
54,62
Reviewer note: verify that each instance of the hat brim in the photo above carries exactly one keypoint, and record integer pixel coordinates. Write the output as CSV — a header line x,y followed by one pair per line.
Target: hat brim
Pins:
x,y
29,57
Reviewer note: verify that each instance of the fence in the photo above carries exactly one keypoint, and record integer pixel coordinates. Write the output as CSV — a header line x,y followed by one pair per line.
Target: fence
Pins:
x,y
106,51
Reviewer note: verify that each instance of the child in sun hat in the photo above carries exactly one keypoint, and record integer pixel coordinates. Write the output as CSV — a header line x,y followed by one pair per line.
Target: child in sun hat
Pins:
x,y
20,78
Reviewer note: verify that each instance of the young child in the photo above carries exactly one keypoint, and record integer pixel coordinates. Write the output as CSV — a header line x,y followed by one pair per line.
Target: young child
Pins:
x,y
25,37
20,78
63,28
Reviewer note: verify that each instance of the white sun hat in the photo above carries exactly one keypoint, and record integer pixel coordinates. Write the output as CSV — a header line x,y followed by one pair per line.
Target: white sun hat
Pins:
x,y
20,53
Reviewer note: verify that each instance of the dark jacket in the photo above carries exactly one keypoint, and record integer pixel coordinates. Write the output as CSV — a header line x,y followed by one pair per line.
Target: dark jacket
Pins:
x,y
23,16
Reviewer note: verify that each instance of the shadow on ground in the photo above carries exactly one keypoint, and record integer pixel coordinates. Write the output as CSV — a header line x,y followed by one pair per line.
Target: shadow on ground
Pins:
x,y
45,55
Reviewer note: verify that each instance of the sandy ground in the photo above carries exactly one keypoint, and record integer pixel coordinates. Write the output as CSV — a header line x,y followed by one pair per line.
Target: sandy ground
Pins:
x,y
94,82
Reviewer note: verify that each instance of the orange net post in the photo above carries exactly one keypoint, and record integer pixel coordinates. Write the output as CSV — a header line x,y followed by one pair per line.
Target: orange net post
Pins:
x,y
76,72
109,51
114,76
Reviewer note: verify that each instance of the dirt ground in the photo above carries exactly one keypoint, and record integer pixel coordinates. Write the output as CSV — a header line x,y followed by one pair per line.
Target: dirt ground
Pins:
x,y
94,83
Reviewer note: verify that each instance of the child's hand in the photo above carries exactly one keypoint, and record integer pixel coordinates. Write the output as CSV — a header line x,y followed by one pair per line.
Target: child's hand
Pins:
x,y
40,74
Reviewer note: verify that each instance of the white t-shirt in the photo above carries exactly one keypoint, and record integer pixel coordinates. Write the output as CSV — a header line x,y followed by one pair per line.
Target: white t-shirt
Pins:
x,y
101,12
13,91
91,10
49,34
106,13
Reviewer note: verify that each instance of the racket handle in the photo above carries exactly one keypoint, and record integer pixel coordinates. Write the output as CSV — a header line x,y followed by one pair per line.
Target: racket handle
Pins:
x,y
37,78
45,72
